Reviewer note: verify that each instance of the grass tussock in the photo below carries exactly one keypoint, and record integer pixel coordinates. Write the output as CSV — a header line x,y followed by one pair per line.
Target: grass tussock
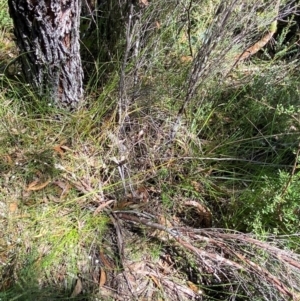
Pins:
x,y
176,179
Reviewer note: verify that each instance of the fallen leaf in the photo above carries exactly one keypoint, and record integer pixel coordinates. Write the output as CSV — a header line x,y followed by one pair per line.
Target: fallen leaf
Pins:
x,y
155,280
77,289
64,186
105,261
59,150
102,206
66,148
13,207
102,277
34,186
193,286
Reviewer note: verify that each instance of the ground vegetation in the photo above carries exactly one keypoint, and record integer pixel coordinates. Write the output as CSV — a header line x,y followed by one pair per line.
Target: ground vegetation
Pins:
x,y
177,176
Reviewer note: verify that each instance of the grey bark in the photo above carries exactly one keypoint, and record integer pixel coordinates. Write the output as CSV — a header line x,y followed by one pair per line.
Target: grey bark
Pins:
x,y
47,34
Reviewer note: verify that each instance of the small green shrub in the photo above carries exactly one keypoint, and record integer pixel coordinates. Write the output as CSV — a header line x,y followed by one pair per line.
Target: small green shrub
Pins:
x,y
273,206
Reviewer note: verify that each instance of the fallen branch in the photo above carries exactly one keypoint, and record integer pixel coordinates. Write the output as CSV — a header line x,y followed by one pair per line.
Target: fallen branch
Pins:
x,y
226,254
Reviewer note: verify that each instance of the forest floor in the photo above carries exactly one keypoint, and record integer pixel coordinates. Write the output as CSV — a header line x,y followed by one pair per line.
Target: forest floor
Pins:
x,y
96,208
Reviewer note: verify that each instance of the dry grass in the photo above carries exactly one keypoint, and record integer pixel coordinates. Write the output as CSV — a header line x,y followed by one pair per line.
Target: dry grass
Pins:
x,y
110,203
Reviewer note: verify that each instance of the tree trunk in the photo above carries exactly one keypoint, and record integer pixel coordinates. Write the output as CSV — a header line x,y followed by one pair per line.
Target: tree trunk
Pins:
x,y
47,34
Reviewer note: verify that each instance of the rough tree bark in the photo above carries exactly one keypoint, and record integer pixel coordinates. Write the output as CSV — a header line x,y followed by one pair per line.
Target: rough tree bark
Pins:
x,y
47,34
